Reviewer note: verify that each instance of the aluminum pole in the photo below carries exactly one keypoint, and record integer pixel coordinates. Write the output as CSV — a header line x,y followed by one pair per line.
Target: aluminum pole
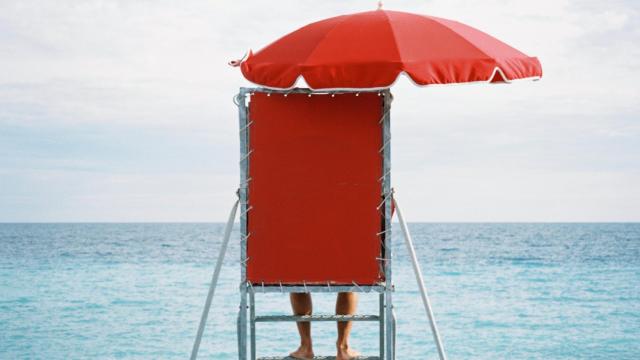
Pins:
x,y
214,281
420,280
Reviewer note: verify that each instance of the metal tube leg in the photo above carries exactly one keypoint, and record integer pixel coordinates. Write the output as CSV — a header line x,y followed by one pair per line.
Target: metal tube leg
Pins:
x,y
214,281
238,332
242,330
252,317
381,320
389,325
420,280
393,311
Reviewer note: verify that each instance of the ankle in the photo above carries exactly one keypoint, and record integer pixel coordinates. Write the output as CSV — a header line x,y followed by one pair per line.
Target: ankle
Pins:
x,y
342,346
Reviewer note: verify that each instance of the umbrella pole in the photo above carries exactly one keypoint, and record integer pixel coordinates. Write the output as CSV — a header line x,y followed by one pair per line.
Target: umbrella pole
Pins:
x,y
214,280
420,280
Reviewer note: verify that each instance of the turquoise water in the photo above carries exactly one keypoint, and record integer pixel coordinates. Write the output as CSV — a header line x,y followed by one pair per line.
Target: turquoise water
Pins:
x,y
500,291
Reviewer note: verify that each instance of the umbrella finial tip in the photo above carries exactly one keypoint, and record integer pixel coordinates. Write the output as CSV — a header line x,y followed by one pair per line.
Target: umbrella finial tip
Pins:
x,y
236,63
380,5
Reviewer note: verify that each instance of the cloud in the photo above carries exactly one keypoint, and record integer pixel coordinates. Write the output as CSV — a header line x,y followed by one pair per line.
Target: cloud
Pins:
x,y
87,196
141,91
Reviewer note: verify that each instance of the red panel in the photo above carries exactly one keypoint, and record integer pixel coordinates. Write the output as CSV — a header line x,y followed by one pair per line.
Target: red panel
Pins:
x,y
315,167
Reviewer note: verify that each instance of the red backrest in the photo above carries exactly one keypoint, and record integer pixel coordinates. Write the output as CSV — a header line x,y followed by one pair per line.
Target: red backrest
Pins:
x,y
314,169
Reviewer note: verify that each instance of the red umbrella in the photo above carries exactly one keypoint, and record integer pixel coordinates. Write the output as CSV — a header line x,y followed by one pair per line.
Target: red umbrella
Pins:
x,y
370,49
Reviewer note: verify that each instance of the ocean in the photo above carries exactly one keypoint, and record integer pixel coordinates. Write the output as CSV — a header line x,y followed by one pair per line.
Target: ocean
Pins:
x,y
499,291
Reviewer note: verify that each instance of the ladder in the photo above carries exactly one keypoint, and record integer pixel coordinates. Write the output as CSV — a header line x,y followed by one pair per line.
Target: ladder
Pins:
x,y
380,318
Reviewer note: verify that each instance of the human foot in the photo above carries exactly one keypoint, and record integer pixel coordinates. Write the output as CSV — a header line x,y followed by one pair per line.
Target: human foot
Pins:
x,y
346,353
303,353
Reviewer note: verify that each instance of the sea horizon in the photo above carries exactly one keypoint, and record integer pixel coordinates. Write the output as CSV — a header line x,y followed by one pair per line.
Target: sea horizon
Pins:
x,y
136,291
395,223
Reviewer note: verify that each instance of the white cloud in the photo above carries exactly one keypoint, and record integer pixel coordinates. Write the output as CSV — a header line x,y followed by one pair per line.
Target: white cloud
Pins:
x,y
162,65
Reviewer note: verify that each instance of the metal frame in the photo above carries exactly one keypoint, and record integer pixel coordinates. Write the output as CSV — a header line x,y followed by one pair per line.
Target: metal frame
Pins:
x,y
264,289
247,310
419,279
243,115
387,241
386,318
214,281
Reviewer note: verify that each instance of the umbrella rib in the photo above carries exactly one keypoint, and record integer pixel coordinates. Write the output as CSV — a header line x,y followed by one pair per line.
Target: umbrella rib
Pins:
x,y
457,34
344,18
395,43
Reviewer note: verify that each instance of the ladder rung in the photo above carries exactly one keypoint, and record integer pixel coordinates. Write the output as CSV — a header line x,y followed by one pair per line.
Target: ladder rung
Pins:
x,y
307,318
318,358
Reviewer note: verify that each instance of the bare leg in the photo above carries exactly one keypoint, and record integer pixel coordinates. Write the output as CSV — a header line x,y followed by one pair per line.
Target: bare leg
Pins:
x,y
302,305
346,304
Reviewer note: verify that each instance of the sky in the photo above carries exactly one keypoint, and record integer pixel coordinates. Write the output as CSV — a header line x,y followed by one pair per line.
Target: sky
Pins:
x,y
121,111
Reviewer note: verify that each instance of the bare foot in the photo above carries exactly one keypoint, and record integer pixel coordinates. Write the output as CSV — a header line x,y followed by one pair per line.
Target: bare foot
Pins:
x,y
303,353
346,354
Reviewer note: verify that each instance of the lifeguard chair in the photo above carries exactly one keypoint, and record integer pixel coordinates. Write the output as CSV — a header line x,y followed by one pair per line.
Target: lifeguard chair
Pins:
x,y
315,201
315,206
315,195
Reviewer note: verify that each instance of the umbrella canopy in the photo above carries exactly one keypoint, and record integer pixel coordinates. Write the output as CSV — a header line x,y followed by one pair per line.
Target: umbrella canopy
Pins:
x,y
371,49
